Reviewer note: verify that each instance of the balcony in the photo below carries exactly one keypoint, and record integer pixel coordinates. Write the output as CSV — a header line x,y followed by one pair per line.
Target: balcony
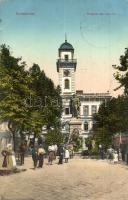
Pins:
x,y
70,63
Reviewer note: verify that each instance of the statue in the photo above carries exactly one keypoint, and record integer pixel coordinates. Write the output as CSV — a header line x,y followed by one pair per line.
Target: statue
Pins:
x,y
75,106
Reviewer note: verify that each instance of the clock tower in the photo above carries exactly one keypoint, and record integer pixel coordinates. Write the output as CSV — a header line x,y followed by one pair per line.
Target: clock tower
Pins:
x,y
66,67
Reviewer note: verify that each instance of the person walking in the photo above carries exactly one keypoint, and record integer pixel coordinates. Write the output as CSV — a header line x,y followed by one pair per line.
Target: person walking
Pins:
x,y
55,151
110,152
34,156
101,152
41,153
61,154
119,155
51,154
4,154
9,160
66,155
22,149
71,150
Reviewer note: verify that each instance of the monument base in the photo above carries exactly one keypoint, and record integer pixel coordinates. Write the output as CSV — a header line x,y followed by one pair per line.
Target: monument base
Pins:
x,y
75,124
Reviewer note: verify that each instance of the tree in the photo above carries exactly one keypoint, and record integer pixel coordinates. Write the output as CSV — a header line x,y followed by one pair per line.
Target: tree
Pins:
x,y
121,74
54,136
28,99
111,119
13,89
47,100
112,116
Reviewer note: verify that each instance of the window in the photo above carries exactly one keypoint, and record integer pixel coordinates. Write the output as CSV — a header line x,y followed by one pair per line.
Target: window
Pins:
x,y
86,110
66,72
66,84
66,57
94,109
66,111
86,126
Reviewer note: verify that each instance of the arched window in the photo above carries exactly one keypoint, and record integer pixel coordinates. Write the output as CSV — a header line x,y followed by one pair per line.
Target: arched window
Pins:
x,y
86,126
66,84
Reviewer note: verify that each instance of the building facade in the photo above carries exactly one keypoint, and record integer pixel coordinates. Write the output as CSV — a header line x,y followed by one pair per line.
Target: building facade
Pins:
x,y
78,107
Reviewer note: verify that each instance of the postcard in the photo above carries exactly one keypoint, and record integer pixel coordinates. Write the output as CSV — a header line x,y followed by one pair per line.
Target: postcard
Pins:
x,y
63,99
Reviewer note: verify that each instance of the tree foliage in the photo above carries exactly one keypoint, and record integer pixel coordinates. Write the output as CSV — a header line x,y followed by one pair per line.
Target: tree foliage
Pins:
x,y
121,74
54,136
111,119
28,98
112,116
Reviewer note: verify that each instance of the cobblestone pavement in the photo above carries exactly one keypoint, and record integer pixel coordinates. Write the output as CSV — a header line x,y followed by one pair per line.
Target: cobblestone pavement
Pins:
x,y
80,179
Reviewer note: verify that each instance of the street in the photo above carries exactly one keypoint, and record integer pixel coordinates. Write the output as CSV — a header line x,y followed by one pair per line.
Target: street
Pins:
x,y
79,179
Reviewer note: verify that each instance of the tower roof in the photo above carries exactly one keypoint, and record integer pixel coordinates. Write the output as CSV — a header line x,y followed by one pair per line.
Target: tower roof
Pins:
x,y
66,46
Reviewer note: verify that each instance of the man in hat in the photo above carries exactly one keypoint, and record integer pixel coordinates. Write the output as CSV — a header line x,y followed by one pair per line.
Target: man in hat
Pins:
x,y
34,156
61,154
22,150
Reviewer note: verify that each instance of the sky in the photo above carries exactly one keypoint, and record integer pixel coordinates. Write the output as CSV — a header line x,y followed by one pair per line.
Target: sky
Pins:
x,y
97,29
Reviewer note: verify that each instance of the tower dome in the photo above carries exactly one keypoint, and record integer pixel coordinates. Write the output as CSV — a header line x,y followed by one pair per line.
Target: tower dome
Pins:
x,y
66,46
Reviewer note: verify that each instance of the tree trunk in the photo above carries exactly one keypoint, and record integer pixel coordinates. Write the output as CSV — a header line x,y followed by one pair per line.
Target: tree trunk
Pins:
x,y
21,135
14,141
34,139
12,129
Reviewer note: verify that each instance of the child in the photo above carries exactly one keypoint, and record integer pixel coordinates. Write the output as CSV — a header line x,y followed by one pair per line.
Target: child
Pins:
x,y
115,157
67,155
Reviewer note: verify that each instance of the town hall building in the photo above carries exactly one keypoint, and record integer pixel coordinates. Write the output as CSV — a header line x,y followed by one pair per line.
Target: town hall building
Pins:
x,y
85,104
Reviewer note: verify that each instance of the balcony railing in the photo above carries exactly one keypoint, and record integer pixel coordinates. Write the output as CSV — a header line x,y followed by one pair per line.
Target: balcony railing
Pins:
x,y
66,63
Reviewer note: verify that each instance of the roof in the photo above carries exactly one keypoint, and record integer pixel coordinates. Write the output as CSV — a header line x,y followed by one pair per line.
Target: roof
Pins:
x,y
66,46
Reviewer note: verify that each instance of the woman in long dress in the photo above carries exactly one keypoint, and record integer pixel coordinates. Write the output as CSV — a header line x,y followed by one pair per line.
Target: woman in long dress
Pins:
x,y
9,160
4,154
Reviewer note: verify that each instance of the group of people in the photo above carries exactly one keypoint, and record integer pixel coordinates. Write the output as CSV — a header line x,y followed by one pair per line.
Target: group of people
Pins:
x,y
61,151
114,155
38,154
64,152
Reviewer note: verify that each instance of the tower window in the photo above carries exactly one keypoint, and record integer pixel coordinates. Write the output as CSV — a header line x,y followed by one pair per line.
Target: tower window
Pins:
x,y
86,126
66,84
94,109
66,57
86,110
66,72
66,111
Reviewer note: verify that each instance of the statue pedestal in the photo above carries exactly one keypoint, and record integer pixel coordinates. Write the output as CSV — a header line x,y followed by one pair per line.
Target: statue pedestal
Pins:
x,y
75,125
